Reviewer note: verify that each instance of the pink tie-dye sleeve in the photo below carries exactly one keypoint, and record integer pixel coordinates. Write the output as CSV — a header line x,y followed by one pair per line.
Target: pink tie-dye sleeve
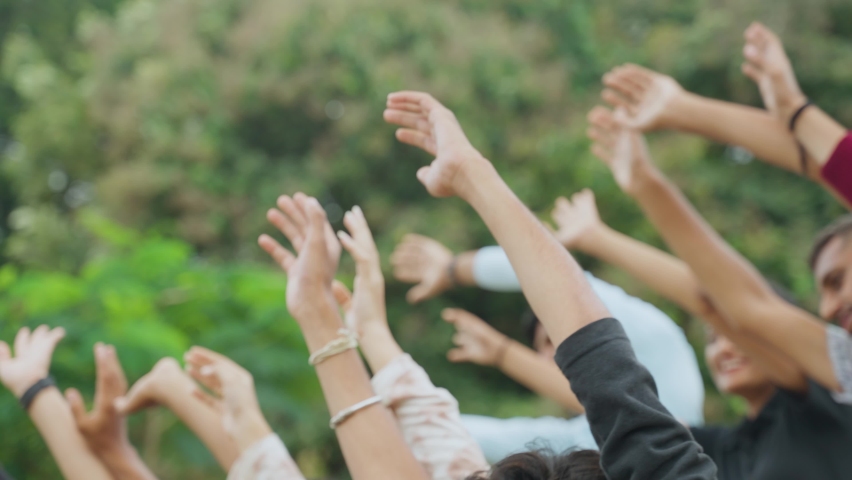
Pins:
x,y
429,419
268,459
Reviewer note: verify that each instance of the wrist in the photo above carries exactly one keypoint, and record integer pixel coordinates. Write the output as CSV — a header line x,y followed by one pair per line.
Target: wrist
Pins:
x,y
471,177
20,387
251,427
646,178
587,242
500,354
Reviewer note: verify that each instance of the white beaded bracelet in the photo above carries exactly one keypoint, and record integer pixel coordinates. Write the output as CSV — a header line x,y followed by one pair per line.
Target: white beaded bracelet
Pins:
x,y
348,412
346,341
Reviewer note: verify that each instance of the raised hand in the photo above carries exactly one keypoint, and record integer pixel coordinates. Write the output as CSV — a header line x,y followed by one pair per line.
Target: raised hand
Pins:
x,y
233,395
623,150
429,125
291,219
647,97
424,261
767,64
476,341
31,362
577,219
153,388
311,273
365,310
104,428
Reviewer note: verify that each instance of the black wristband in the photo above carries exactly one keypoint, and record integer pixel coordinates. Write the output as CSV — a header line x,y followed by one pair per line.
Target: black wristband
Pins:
x,y
32,392
795,118
803,155
451,271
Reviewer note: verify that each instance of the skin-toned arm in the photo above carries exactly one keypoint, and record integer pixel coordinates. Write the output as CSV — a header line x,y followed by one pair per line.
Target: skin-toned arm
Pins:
x,y
550,278
104,429
736,288
479,343
426,262
49,411
767,64
168,385
580,227
370,439
652,101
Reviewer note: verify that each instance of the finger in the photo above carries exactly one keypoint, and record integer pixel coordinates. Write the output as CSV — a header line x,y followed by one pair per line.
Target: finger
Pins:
x,y
614,99
418,294
111,382
640,75
207,376
5,352
751,72
78,408
351,246
342,295
22,341
618,82
407,119
415,138
601,117
602,153
287,227
357,225
207,399
401,258
316,227
199,356
138,398
294,211
410,96
407,274
754,56
281,255
457,355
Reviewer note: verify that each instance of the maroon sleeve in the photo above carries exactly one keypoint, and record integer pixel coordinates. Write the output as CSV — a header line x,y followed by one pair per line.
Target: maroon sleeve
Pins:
x,y
838,170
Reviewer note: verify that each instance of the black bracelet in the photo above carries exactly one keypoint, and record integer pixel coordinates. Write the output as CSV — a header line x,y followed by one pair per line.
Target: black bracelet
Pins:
x,y
451,271
803,156
30,395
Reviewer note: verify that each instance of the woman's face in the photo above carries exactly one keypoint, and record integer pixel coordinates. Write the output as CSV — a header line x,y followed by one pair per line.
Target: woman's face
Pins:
x,y
732,370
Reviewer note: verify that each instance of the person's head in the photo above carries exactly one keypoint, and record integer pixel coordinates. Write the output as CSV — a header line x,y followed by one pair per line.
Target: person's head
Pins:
x,y
733,371
537,335
831,263
545,465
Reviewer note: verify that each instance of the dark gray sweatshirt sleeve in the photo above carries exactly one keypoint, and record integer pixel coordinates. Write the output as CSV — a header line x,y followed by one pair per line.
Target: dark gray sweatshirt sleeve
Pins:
x,y
638,437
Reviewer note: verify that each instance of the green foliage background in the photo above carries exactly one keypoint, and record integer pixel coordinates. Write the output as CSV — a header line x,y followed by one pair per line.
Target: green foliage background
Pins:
x,y
143,140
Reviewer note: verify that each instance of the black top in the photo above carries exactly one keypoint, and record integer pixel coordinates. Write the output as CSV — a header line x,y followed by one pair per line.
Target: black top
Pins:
x,y
796,436
639,439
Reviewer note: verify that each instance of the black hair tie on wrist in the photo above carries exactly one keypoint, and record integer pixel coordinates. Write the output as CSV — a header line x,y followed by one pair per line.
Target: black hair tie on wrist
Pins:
x,y
30,395
803,158
452,273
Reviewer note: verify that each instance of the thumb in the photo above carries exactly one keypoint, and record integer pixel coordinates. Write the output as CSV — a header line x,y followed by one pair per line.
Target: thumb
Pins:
x,y
135,400
423,174
457,355
418,294
342,295
75,401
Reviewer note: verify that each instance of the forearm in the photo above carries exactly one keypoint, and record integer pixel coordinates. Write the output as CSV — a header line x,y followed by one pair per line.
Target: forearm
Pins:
x,y
662,272
734,286
379,347
751,128
464,274
370,439
202,420
540,375
551,280
819,134
52,417
124,463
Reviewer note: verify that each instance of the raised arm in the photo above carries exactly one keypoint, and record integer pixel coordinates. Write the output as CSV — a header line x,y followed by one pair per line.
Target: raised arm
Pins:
x,y
479,343
653,101
262,453
368,434
825,140
49,411
104,428
428,416
168,385
736,289
638,437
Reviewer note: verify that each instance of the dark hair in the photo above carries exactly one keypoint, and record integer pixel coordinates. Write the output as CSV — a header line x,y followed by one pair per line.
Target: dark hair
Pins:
x,y
530,322
545,465
842,227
